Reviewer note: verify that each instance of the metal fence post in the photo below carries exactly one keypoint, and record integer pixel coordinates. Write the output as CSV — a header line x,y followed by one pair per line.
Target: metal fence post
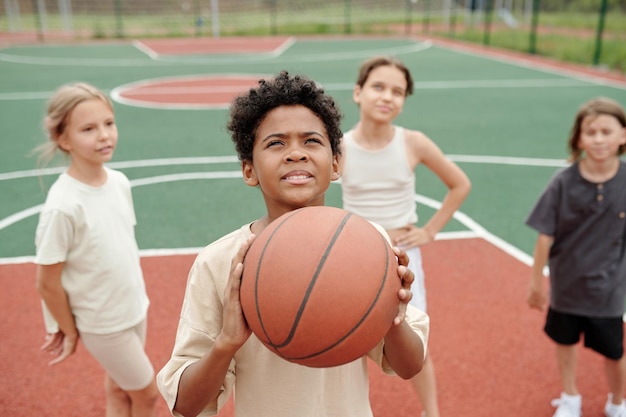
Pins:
x,y
598,51
12,10
532,46
119,25
198,20
215,18
426,15
452,25
409,20
65,9
38,20
273,11
488,16
346,15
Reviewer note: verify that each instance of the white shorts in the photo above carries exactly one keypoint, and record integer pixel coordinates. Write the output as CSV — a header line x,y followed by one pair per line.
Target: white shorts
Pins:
x,y
122,356
417,288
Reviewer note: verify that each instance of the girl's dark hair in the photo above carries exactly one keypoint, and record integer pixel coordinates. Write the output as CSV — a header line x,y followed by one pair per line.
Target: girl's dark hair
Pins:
x,y
594,107
248,110
383,61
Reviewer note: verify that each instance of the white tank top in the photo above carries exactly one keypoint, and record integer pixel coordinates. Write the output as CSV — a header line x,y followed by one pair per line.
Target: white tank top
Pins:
x,y
379,185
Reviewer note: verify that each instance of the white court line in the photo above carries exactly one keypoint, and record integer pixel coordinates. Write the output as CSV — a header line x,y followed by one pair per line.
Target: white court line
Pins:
x,y
159,179
145,49
201,160
509,160
211,61
536,66
117,93
475,229
479,231
424,85
418,46
32,211
20,215
207,160
279,50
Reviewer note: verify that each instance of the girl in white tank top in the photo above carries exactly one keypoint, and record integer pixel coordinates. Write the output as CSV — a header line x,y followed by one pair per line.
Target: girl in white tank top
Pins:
x,y
377,176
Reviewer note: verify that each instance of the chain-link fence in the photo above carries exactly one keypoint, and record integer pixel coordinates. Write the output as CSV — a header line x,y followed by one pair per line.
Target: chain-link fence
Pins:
x,y
585,31
122,18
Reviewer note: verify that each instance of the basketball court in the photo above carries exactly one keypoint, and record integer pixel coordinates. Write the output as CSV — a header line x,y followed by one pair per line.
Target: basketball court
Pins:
x,y
504,119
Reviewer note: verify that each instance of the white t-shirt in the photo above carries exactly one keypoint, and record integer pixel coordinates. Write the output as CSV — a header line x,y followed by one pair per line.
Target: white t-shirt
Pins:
x,y
91,229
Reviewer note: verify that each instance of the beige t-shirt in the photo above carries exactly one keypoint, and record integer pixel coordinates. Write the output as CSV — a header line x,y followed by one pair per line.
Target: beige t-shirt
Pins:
x,y
266,385
92,230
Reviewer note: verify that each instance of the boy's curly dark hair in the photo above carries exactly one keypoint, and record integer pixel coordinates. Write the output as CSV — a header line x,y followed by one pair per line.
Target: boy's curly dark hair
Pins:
x,y
248,110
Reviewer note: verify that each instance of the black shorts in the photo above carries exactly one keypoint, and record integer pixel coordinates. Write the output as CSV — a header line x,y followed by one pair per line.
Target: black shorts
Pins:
x,y
604,335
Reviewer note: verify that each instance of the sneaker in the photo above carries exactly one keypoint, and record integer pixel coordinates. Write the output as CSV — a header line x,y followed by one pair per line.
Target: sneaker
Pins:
x,y
568,406
612,410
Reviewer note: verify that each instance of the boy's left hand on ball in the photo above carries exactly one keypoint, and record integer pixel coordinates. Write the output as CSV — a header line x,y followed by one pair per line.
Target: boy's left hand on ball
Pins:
x,y
407,277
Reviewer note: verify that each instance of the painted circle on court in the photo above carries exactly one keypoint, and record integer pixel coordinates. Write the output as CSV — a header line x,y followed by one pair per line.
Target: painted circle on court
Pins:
x,y
185,93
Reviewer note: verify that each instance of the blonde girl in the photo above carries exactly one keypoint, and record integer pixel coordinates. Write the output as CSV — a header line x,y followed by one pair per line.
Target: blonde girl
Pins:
x,y
88,270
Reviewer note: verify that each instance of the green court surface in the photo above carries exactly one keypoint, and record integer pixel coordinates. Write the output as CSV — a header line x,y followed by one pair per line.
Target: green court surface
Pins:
x,y
504,123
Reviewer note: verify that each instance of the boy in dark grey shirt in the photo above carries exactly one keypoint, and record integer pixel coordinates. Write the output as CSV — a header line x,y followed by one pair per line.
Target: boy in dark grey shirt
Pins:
x,y
581,220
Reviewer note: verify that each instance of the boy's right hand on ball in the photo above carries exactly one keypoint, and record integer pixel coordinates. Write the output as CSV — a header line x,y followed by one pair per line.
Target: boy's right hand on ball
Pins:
x,y
235,330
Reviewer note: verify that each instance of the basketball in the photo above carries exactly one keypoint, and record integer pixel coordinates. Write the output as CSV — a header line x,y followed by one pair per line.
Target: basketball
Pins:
x,y
320,286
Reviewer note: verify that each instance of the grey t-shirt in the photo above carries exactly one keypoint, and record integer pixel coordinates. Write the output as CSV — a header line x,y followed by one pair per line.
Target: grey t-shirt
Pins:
x,y
588,223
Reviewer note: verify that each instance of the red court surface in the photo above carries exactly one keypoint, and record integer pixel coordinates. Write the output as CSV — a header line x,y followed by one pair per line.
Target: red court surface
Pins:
x,y
216,91
192,91
491,356
199,46
196,91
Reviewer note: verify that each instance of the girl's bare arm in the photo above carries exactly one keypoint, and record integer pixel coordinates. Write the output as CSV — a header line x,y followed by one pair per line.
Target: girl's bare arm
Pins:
x,y
422,150
49,285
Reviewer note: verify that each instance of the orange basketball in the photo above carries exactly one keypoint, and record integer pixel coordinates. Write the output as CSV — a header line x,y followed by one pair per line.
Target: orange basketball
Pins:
x,y
320,286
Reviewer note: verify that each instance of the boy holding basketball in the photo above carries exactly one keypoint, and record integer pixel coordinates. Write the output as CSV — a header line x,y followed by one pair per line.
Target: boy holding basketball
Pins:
x,y
287,135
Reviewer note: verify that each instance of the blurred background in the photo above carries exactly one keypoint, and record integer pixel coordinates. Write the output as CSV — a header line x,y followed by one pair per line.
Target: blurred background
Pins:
x,y
588,32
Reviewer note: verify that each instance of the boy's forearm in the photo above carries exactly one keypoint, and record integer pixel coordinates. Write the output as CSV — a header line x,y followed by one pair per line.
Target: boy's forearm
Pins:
x,y
537,272
201,382
404,350
540,257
